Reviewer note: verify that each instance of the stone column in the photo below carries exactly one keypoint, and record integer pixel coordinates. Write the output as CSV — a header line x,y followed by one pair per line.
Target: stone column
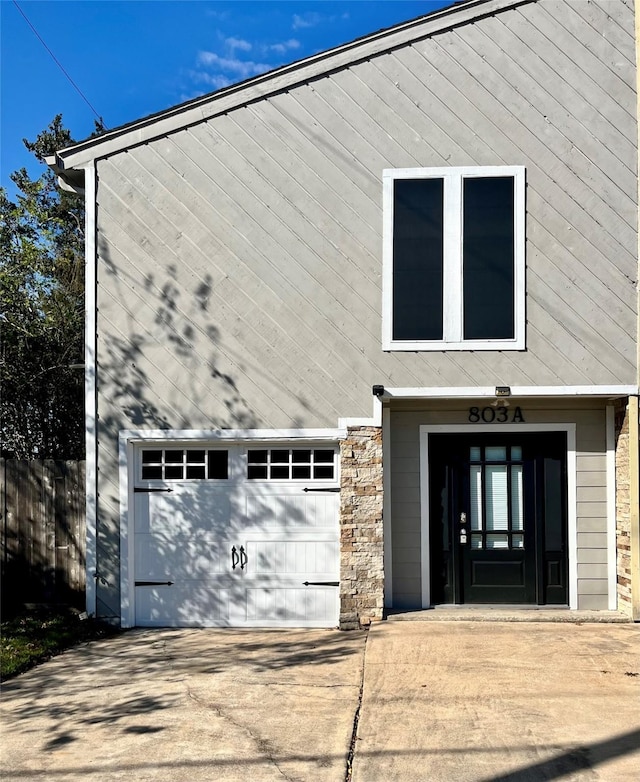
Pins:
x,y
361,532
623,515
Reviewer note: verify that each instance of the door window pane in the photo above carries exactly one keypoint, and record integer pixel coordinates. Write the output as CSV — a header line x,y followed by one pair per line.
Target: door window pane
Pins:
x,y
496,498
488,257
497,541
418,219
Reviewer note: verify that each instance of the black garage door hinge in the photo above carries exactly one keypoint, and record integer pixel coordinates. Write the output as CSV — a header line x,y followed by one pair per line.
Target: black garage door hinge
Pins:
x,y
148,488
332,489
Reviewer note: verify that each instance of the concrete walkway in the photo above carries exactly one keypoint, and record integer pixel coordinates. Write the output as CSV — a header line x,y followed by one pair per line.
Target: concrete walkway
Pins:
x,y
473,702
443,700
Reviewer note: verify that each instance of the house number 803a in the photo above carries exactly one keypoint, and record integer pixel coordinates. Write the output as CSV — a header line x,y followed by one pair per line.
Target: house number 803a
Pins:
x,y
500,415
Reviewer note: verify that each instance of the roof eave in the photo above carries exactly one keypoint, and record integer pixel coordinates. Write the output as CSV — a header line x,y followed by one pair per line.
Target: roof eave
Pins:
x,y
229,98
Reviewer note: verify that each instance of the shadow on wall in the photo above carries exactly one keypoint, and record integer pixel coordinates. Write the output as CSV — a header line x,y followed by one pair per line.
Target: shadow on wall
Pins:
x,y
160,367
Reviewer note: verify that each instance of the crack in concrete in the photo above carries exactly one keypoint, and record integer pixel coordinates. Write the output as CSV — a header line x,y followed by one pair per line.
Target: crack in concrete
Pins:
x,y
263,745
356,716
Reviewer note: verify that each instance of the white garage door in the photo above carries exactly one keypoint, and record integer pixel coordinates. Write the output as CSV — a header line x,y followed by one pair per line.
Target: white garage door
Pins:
x,y
236,536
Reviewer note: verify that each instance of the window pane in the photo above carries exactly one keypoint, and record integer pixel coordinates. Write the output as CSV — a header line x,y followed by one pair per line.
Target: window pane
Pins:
x,y
323,457
496,501
303,457
151,473
173,472
218,464
497,541
323,472
195,471
303,471
174,457
474,454
151,456
195,456
257,457
279,472
256,471
279,457
476,541
495,453
516,452
417,258
488,258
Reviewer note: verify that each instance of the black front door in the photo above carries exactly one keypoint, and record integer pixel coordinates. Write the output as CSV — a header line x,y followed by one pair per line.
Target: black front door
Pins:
x,y
498,520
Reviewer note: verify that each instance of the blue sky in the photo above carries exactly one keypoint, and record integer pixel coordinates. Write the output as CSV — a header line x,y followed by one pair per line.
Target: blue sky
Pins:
x,y
137,57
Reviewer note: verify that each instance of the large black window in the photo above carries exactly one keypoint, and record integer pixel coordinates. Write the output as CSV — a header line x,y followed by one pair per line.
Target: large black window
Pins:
x,y
454,259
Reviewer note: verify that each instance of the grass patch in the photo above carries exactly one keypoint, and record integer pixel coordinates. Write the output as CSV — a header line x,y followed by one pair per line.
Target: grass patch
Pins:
x,y
35,636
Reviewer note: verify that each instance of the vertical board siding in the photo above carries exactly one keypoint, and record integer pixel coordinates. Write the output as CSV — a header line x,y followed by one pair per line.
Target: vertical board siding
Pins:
x,y
43,532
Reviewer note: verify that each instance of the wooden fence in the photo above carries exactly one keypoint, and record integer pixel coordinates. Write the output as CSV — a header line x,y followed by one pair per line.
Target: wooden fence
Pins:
x,y
43,532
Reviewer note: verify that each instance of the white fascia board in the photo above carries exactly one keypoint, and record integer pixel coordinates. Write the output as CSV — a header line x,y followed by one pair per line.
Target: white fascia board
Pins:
x,y
284,78
232,435
476,392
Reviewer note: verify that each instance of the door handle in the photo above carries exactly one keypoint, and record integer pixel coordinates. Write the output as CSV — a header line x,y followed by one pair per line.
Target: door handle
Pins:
x,y
463,536
463,518
243,558
234,558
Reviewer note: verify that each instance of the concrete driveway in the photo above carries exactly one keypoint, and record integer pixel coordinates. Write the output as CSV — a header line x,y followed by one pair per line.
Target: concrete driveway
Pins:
x,y
186,706
450,701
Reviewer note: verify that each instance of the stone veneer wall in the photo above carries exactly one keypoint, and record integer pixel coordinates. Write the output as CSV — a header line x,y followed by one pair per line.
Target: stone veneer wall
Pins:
x,y
623,517
361,533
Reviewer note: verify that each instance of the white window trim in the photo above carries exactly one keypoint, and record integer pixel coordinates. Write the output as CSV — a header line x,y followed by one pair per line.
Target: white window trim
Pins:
x,y
452,273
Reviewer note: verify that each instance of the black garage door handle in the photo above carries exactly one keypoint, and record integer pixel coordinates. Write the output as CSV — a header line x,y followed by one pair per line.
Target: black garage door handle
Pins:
x,y
153,583
321,583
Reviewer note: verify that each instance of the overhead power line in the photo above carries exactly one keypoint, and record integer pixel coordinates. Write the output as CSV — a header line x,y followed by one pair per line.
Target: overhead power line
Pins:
x,y
59,64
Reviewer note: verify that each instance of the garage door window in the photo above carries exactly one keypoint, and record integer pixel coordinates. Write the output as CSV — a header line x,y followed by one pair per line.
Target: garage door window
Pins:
x,y
184,464
284,464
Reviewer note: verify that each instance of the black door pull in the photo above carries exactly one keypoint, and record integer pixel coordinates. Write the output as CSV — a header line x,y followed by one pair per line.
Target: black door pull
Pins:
x,y
243,558
234,558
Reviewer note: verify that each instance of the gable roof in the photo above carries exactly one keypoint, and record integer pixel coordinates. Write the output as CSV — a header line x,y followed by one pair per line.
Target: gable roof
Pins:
x,y
66,162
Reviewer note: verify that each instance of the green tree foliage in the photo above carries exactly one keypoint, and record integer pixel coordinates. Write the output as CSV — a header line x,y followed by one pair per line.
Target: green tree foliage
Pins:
x,y
42,312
